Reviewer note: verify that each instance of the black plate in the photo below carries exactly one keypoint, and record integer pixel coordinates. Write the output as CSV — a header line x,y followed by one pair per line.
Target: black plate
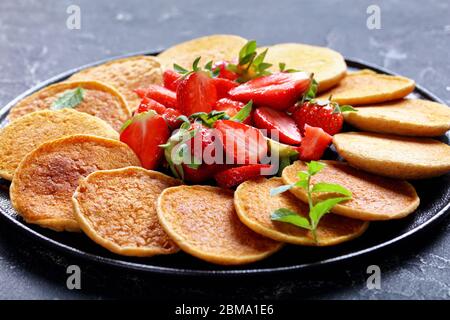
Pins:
x,y
434,195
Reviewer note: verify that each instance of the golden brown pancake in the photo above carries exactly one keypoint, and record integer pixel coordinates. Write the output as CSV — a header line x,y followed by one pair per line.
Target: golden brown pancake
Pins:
x,y
327,65
42,187
28,132
394,156
202,222
364,87
407,117
254,205
99,100
125,75
214,47
374,197
116,209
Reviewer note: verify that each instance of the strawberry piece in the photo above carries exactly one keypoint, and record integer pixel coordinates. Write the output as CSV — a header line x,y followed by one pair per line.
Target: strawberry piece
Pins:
x,y
242,143
143,133
322,116
314,143
231,107
203,173
169,114
160,94
196,93
223,86
223,72
278,91
170,79
270,119
234,176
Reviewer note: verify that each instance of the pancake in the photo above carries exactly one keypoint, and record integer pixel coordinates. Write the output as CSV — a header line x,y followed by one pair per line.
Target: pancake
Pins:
x,y
407,117
254,206
394,156
42,187
99,100
202,222
28,132
365,86
374,197
327,65
125,75
214,47
116,209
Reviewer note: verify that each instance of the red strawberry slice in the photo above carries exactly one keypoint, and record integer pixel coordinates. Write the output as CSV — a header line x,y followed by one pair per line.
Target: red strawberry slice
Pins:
x,y
270,119
169,114
223,72
196,93
223,86
143,133
243,144
314,143
160,94
170,79
234,176
203,173
317,115
278,91
231,107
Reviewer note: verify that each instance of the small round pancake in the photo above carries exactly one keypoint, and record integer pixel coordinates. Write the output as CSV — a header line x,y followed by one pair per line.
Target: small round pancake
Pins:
x,y
394,156
407,117
125,75
116,209
28,132
366,86
374,197
99,100
42,187
202,222
254,206
327,65
214,47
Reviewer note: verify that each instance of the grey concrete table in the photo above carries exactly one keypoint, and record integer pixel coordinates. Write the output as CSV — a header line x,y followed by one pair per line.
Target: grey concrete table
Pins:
x,y
35,44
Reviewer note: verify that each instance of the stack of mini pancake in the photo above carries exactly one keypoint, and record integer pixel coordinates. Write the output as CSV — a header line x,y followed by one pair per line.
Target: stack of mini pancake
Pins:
x,y
69,172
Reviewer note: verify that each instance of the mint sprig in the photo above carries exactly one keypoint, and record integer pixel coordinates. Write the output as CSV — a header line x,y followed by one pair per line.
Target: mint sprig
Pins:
x,y
316,210
69,99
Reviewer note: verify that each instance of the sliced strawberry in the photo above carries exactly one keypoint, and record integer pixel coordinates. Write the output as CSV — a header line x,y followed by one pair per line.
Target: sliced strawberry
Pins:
x,y
170,79
278,91
169,114
270,119
196,92
160,94
203,173
319,115
243,144
223,86
143,133
314,143
235,176
223,72
231,107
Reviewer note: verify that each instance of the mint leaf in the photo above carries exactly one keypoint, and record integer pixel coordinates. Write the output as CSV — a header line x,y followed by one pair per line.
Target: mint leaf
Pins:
x,y
69,99
314,167
330,187
322,208
347,108
302,184
289,216
243,113
280,189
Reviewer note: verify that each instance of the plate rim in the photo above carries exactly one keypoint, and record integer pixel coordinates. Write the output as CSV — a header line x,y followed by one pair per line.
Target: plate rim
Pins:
x,y
118,263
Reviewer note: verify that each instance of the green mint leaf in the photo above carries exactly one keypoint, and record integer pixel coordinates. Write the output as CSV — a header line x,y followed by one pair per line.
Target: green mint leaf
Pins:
x,y
322,208
303,175
180,69
280,189
282,66
243,113
302,184
69,99
289,216
314,167
330,187
348,108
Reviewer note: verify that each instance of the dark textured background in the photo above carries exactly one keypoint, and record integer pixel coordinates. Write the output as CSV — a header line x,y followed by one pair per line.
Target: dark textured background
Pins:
x,y
35,45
